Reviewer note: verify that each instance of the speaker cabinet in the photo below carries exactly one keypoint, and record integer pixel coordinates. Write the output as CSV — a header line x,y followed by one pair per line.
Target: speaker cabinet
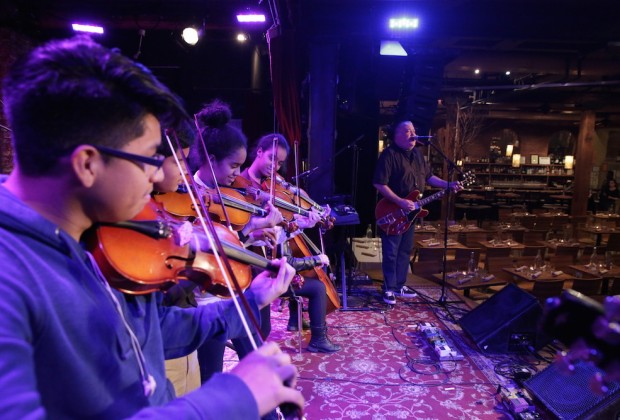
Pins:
x,y
568,395
506,323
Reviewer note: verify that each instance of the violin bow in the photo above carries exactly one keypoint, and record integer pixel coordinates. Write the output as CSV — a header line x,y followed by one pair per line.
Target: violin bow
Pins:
x,y
298,194
272,184
216,245
212,173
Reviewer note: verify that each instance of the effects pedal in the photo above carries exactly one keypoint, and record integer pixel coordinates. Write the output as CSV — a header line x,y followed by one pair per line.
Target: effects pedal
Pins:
x,y
434,337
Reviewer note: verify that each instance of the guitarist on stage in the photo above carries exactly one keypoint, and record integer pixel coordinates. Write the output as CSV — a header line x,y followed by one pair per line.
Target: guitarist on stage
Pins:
x,y
400,170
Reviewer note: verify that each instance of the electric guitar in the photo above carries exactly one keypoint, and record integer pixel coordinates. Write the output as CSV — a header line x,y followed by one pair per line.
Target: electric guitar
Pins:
x,y
394,221
590,330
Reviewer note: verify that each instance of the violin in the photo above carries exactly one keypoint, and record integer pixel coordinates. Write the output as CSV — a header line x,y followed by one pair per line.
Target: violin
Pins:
x,y
282,200
152,252
238,209
302,199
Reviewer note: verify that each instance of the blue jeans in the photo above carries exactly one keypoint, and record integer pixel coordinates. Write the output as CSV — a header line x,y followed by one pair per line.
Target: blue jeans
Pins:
x,y
396,251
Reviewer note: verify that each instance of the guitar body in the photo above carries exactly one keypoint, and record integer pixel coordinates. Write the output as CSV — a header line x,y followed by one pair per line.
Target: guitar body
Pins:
x,y
395,221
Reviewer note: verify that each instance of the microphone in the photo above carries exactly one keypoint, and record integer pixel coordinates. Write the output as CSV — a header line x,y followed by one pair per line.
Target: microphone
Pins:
x,y
307,173
422,140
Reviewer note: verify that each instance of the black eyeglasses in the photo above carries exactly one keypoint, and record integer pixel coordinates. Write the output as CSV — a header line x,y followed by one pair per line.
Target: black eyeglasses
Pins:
x,y
157,160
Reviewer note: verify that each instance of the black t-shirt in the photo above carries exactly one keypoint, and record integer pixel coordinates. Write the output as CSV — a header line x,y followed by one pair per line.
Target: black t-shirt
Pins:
x,y
403,171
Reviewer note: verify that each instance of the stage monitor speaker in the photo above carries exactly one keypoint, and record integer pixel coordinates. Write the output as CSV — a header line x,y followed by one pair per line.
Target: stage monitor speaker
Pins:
x,y
508,322
568,395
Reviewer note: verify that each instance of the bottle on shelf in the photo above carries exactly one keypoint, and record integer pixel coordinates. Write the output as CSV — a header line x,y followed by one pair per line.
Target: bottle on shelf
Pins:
x,y
369,231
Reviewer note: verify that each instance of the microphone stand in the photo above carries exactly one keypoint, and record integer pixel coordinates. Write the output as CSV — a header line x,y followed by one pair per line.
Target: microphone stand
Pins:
x,y
448,194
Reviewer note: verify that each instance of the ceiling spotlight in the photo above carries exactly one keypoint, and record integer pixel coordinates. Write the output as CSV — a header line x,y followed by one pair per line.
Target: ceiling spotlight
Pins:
x,y
91,29
507,72
404,23
190,35
250,17
241,37
477,71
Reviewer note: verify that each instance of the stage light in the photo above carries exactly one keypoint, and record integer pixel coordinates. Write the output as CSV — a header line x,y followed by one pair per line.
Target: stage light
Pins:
x,y
190,35
392,48
477,71
507,72
241,37
250,18
404,23
91,29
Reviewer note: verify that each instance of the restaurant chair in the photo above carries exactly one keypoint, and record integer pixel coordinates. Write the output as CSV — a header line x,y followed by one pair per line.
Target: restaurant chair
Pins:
x,y
532,237
542,223
430,254
614,289
613,242
589,287
425,269
498,252
529,222
561,262
586,253
495,266
545,289
472,239
465,254
533,250
572,251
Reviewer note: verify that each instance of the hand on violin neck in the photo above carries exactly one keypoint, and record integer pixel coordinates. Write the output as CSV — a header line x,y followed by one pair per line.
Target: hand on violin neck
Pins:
x,y
304,222
270,377
268,286
264,237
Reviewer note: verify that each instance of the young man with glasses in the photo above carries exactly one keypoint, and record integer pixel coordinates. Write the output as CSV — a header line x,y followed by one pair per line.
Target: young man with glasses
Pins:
x,y
86,125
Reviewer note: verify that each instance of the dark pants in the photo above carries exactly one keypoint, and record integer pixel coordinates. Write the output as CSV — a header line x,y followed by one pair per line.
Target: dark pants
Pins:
x,y
211,352
314,290
396,251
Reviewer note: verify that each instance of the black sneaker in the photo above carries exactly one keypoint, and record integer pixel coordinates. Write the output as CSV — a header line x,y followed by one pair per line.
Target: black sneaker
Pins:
x,y
406,292
389,298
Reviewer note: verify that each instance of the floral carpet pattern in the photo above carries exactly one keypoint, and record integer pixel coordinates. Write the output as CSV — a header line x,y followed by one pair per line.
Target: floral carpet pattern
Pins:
x,y
387,370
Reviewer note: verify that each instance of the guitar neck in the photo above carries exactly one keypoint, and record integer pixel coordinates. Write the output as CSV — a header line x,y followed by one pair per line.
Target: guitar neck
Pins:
x,y
430,198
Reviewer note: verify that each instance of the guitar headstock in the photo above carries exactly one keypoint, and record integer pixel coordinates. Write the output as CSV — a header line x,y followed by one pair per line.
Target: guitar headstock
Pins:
x,y
467,179
589,329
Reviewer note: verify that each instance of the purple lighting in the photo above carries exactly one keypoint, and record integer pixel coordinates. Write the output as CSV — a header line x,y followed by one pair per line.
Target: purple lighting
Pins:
x,y
250,18
92,29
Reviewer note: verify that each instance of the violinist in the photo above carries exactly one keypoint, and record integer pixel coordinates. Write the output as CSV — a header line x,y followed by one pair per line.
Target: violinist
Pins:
x,y
183,371
227,146
85,129
261,168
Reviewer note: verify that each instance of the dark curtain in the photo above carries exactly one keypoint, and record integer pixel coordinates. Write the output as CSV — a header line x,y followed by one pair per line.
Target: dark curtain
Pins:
x,y
285,78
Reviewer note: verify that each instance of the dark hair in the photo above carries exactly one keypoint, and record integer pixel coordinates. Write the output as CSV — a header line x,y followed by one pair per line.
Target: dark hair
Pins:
x,y
185,133
71,92
221,138
266,143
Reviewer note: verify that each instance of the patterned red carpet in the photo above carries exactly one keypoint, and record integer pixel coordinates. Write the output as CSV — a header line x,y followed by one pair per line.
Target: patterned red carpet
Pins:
x,y
387,370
